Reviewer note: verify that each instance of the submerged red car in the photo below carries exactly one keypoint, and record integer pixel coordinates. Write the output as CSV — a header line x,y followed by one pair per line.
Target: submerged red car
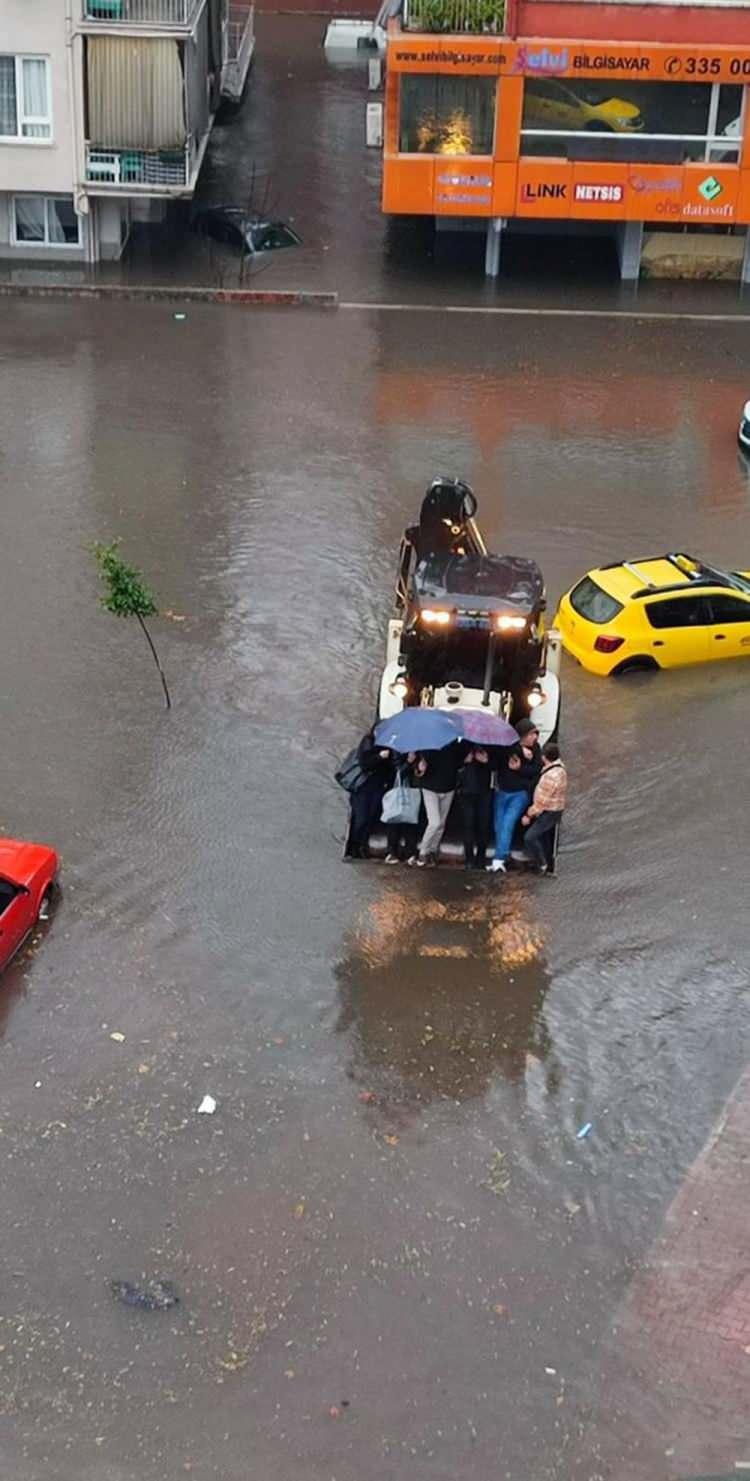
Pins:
x,y
28,872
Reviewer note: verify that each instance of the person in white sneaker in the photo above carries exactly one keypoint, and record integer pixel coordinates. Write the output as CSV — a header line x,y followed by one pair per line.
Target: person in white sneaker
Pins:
x,y
511,798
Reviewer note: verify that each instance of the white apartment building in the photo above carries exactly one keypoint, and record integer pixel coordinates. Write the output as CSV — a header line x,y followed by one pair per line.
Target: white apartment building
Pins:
x,y
106,107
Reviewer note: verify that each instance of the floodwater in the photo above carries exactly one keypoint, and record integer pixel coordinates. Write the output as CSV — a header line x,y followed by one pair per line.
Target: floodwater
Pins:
x,y
387,1235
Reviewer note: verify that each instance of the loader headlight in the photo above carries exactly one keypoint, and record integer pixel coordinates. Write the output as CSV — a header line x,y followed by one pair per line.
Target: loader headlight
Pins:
x,y
505,623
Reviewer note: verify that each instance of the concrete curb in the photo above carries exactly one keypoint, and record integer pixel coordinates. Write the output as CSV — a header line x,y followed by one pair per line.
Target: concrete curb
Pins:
x,y
126,292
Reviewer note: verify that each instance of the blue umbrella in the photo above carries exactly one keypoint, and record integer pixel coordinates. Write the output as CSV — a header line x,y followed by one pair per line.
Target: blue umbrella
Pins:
x,y
417,729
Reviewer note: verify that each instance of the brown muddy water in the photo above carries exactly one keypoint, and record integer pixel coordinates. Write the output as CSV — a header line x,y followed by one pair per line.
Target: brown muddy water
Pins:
x,y
387,1235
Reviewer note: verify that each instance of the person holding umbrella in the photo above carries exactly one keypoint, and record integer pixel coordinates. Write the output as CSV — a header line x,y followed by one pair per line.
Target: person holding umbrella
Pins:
x,y
433,735
437,771
484,732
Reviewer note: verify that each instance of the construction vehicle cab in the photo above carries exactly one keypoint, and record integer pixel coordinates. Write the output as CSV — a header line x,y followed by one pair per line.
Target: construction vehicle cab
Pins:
x,y
468,627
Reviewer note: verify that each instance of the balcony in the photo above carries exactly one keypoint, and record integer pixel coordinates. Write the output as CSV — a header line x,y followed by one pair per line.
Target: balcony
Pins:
x,y
160,14
472,17
156,172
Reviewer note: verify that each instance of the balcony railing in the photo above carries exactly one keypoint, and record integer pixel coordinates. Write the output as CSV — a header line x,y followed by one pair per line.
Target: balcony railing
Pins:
x,y
141,12
480,17
136,171
239,44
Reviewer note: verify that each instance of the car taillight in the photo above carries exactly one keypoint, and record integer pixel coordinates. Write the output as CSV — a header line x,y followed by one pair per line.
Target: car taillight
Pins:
x,y
608,645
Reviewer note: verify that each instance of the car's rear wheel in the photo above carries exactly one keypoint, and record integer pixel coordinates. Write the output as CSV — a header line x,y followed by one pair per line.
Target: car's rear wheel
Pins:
x,y
597,127
642,664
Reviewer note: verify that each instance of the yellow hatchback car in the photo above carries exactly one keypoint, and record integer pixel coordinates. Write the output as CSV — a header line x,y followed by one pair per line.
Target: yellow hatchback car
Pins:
x,y
659,613
550,104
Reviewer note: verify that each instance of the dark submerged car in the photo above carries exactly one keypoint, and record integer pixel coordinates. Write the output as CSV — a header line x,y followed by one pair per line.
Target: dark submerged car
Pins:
x,y
246,233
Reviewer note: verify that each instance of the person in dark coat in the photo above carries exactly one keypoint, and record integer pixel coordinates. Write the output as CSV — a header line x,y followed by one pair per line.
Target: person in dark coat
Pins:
x,y
475,797
367,801
528,735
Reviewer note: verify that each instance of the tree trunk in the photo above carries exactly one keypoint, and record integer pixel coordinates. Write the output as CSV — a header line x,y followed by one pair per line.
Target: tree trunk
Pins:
x,y
149,640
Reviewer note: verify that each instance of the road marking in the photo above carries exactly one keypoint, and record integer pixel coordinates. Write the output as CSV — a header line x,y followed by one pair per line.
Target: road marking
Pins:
x,y
661,315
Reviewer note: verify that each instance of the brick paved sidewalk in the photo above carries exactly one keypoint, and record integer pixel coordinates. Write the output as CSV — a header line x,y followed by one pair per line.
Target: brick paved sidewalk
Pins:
x,y
675,1398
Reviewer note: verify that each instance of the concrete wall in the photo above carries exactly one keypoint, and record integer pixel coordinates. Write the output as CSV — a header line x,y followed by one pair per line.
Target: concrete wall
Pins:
x,y
38,26
356,9
681,23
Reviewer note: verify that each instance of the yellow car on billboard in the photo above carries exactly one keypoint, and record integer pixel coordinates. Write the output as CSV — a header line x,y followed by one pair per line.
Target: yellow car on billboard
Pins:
x,y
552,105
659,613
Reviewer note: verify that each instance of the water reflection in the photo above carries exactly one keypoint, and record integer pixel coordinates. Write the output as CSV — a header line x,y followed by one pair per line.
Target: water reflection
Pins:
x,y
442,991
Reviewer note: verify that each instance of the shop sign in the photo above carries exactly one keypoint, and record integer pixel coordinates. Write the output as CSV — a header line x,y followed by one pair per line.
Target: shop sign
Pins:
x,y
602,63
598,193
709,195
691,212
414,52
481,180
545,62
544,191
653,185
462,198
710,188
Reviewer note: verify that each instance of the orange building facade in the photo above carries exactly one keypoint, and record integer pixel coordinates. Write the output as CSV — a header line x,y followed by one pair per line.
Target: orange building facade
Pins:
x,y
627,113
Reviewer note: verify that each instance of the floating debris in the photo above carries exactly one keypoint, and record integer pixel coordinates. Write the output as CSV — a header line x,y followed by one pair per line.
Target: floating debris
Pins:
x,y
498,1177
153,1295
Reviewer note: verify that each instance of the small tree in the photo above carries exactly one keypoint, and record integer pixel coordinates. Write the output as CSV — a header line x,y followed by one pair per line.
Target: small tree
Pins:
x,y
125,595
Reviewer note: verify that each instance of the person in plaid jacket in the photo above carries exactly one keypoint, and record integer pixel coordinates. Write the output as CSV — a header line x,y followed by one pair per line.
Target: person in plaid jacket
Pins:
x,y
547,806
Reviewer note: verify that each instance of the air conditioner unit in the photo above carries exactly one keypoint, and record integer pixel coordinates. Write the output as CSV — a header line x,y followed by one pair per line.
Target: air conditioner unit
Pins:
x,y
374,125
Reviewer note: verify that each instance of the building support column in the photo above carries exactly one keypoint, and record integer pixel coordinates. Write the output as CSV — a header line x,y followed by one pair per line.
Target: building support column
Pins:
x,y
492,249
629,243
745,272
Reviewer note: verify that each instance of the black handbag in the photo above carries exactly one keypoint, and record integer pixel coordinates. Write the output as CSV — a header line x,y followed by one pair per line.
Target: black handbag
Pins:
x,y
350,774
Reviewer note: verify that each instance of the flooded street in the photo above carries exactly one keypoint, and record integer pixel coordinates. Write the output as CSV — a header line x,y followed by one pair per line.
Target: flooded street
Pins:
x,y
393,1255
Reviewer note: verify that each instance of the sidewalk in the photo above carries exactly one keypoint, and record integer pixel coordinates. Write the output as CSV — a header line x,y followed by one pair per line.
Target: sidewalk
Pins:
x,y
676,1388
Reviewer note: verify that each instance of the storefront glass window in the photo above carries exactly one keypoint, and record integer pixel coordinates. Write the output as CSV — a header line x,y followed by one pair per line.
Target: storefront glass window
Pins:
x,y
447,115
644,122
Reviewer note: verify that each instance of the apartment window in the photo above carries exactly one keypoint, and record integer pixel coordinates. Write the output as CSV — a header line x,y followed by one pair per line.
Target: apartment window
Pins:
x,y
25,98
447,115
45,221
637,122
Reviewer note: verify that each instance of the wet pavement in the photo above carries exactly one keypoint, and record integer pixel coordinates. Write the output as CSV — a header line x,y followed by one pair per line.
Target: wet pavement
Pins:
x,y
387,1236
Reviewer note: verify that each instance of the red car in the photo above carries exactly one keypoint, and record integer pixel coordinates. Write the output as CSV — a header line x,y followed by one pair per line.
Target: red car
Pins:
x,y
27,881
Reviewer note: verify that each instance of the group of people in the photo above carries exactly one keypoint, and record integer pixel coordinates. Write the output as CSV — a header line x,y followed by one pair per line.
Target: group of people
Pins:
x,y
500,790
